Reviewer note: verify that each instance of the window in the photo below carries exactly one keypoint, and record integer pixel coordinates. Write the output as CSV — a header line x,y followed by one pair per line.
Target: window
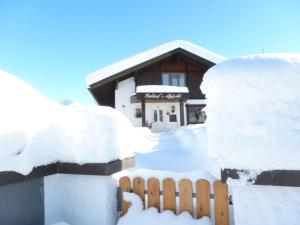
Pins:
x,y
155,115
172,118
165,79
161,117
160,114
196,115
173,79
138,113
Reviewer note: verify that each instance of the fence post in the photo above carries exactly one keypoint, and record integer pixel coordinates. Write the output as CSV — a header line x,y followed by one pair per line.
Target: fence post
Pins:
x,y
186,196
203,198
153,190
124,184
139,188
169,195
221,203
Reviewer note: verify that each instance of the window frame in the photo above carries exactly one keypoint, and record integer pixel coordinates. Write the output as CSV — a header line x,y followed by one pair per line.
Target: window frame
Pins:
x,y
171,75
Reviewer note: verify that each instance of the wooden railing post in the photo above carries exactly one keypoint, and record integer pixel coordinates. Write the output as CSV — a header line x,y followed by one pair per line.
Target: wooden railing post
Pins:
x,y
186,196
139,188
153,192
124,184
203,198
169,195
221,203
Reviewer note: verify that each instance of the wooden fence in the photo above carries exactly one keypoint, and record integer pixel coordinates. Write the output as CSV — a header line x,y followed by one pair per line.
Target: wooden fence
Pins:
x,y
186,193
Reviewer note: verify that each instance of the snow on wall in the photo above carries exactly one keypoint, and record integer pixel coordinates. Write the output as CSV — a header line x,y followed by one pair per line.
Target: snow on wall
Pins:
x,y
161,89
125,90
253,108
266,205
80,199
36,131
120,66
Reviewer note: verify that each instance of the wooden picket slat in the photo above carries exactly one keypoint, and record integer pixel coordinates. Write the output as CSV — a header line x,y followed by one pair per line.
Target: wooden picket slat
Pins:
x,y
139,188
169,195
153,191
186,196
203,198
124,184
221,203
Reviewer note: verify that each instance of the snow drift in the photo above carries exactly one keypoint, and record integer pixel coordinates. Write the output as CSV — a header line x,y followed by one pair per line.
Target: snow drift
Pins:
x,y
253,108
36,131
136,215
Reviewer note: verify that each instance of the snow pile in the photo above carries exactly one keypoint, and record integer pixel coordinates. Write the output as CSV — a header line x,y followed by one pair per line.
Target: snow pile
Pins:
x,y
60,223
181,153
196,102
135,60
266,205
136,215
36,131
161,89
253,108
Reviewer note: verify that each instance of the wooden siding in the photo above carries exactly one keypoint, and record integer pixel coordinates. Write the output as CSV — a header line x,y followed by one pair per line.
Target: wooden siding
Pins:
x,y
105,95
152,75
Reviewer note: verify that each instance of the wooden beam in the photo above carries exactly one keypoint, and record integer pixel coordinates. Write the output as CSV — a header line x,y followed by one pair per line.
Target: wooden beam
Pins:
x,y
143,113
181,113
99,169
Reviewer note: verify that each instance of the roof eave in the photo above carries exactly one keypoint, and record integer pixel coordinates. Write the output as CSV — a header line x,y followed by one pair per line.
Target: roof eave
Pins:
x,y
148,63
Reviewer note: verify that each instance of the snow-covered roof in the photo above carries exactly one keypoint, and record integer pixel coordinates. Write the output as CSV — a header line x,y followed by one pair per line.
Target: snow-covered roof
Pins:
x,y
196,102
135,60
253,108
161,89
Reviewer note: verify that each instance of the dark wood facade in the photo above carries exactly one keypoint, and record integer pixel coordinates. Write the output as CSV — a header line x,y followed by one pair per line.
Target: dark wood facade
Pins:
x,y
151,74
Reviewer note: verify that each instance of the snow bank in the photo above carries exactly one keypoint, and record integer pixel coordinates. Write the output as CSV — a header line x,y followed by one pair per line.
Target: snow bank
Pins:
x,y
266,205
253,108
80,199
136,215
135,60
36,131
60,223
181,153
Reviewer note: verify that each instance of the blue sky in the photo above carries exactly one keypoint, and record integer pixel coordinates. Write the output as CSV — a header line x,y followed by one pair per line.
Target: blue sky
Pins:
x,y
53,44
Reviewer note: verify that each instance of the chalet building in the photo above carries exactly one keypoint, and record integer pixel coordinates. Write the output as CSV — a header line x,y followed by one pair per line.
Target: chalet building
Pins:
x,y
158,88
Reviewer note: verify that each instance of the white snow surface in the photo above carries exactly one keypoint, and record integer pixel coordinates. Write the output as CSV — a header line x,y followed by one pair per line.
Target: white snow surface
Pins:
x,y
180,153
161,89
253,108
266,205
36,131
135,60
80,199
196,102
136,215
60,223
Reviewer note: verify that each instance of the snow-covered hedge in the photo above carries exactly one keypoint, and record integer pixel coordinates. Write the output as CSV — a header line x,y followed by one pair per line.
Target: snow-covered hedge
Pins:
x,y
36,131
253,108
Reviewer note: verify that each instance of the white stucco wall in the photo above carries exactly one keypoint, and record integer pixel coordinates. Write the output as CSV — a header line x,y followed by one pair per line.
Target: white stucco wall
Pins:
x,y
80,199
125,90
166,107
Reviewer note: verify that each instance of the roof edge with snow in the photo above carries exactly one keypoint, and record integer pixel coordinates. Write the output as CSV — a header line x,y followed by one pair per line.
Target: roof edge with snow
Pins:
x,y
136,62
